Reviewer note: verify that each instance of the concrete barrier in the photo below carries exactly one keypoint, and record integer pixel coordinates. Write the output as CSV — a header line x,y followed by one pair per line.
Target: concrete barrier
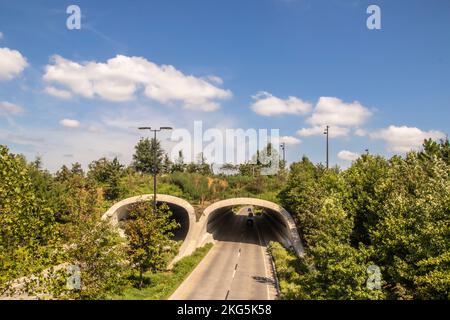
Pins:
x,y
198,234
119,212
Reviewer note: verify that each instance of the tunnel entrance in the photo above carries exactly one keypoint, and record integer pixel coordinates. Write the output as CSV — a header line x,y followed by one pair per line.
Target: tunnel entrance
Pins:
x,y
272,222
179,214
248,224
182,212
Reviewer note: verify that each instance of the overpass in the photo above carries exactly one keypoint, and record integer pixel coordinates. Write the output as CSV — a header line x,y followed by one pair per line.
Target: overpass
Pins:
x,y
196,232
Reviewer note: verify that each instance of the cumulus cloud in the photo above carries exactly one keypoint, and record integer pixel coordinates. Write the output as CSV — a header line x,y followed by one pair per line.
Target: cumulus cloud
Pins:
x,y
339,115
58,93
267,104
12,63
70,123
403,139
10,108
335,112
120,78
289,140
334,132
348,155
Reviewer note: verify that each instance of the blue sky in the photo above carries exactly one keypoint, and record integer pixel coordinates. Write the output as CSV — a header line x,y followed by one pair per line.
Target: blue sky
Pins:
x,y
296,65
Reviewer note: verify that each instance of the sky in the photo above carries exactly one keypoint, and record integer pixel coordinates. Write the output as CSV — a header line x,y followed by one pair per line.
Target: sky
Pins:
x,y
293,65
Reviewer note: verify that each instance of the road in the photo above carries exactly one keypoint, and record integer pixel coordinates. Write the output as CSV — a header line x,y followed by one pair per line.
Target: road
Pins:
x,y
236,267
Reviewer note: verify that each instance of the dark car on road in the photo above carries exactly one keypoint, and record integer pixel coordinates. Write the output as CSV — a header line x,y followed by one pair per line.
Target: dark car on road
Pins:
x,y
250,218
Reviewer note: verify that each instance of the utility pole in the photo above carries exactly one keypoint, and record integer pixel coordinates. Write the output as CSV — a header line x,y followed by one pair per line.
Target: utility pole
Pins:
x,y
155,169
283,147
327,129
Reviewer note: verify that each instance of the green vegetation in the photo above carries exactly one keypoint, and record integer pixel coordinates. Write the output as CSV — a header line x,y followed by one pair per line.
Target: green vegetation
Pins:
x,y
161,285
149,236
391,213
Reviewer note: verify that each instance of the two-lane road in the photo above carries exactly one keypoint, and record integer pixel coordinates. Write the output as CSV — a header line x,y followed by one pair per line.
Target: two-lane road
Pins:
x,y
237,267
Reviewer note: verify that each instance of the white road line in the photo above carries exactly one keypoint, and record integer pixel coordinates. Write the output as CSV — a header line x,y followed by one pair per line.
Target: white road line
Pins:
x,y
264,260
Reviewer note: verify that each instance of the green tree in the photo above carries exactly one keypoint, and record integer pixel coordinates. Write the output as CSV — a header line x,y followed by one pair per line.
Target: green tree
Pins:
x,y
29,240
108,173
148,156
100,254
167,164
149,235
179,165
412,236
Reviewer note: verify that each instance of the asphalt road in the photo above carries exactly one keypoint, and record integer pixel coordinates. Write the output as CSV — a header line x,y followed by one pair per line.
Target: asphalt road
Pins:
x,y
237,267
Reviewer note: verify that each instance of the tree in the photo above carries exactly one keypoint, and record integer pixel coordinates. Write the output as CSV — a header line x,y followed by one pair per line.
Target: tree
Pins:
x,y
107,174
29,239
100,254
179,165
364,180
149,235
148,156
412,236
167,164
77,169
63,173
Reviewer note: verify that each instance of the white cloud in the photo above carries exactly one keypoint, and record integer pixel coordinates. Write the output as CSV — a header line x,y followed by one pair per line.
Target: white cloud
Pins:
x,y
403,139
268,105
334,132
10,108
58,93
361,132
289,140
70,123
215,79
12,63
120,78
339,115
334,112
348,155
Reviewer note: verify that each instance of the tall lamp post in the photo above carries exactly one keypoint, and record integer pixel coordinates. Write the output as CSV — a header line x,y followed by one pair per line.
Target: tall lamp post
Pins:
x,y
327,129
155,169
283,148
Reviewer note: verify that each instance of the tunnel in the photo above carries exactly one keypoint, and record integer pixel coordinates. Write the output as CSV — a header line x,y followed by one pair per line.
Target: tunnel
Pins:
x,y
226,221
182,212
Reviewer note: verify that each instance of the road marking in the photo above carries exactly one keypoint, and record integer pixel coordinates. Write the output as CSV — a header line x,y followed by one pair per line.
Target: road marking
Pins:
x,y
264,260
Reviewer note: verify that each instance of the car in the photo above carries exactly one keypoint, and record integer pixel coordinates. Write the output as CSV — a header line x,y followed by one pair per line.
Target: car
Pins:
x,y
250,219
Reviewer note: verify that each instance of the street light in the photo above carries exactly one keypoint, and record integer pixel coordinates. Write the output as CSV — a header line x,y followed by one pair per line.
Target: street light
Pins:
x,y
327,129
283,147
154,159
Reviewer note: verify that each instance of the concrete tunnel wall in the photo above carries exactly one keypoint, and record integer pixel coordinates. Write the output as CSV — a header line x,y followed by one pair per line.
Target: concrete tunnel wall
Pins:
x,y
274,212
199,233
120,210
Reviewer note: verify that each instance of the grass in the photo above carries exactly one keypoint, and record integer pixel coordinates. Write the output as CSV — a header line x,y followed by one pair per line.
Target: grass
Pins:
x,y
161,285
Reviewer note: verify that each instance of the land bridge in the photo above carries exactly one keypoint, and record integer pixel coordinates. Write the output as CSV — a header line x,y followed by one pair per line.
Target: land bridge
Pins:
x,y
212,223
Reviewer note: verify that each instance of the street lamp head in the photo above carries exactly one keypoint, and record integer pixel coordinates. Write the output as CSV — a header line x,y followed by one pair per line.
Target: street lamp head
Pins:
x,y
145,128
165,128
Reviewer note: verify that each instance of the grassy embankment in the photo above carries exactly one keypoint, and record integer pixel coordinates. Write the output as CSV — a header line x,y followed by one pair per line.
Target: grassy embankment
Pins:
x,y
160,285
